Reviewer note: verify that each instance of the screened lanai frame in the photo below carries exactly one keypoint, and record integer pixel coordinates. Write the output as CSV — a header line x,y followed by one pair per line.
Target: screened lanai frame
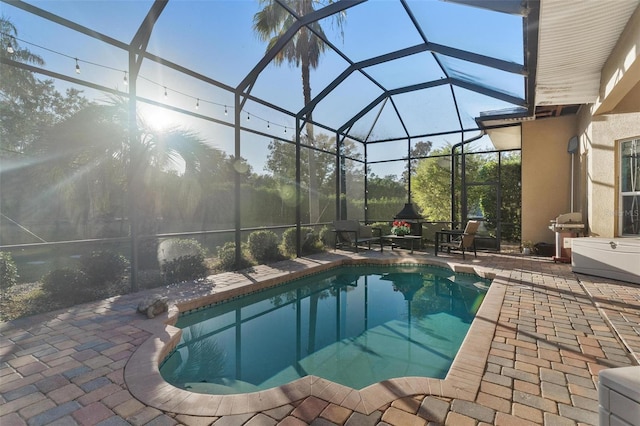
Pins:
x,y
386,98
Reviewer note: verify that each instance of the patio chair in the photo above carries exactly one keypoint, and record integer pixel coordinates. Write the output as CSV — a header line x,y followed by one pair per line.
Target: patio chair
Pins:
x,y
351,233
465,240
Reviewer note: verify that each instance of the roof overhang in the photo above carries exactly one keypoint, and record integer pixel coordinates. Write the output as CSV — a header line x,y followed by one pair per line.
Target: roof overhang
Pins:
x,y
576,40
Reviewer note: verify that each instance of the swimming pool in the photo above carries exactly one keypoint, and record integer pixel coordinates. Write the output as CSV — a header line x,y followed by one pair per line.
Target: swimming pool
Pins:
x,y
353,325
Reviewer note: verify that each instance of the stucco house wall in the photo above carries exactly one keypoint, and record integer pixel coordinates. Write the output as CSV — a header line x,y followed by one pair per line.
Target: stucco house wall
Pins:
x,y
546,175
599,169
546,164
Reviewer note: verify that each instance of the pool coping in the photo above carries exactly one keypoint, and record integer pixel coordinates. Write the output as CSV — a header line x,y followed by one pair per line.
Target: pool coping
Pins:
x,y
143,379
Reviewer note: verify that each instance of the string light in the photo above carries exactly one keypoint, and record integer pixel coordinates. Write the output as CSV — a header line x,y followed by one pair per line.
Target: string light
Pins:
x,y
12,42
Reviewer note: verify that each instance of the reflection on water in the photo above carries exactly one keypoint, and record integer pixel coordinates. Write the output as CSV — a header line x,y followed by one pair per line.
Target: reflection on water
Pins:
x,y
352,325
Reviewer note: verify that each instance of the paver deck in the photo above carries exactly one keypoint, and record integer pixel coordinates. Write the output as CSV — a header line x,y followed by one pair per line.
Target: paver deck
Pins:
x,y
553,332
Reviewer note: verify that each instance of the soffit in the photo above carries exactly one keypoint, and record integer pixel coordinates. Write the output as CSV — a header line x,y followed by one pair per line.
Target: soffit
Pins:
x,y
575,40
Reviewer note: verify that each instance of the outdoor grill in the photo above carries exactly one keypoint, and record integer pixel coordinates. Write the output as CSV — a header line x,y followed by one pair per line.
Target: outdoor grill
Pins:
x,y
566,226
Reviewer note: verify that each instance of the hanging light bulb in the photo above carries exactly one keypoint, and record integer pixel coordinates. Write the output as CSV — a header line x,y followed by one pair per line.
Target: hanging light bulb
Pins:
x,y
10,49
197,103
165,92
225,110
125,81
77,67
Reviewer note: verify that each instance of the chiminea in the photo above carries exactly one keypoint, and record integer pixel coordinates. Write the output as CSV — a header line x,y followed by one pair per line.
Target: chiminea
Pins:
x,y
409,214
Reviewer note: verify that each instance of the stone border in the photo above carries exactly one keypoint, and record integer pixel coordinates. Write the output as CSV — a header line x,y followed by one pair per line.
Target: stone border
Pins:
x,y
143,379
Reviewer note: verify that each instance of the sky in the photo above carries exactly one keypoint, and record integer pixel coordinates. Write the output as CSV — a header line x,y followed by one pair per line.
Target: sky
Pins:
x,y
215,38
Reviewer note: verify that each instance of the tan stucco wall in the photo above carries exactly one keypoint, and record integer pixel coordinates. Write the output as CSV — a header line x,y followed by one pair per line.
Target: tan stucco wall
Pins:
x,y
598,169
546,175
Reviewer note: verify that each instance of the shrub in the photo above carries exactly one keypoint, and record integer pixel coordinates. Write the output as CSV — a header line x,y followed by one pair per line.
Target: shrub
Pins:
x,y
263,246
227,258
8,271
173,248
68,285
103,266
310,241
184,268
25,303
384,226
328,237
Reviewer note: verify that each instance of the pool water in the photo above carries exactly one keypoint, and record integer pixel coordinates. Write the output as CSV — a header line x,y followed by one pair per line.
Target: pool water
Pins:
x,y
354,325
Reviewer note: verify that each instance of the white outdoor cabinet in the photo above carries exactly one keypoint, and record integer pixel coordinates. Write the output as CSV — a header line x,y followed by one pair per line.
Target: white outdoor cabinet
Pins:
x,y
616,258
619,396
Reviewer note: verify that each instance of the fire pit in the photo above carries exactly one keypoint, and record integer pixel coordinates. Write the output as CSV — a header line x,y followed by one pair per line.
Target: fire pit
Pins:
x,y
411,216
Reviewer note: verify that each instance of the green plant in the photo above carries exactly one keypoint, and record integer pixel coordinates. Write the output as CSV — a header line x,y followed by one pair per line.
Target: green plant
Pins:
x,y
401,227
8,271
184,268
103,266
528,247
173,248
227,258
67,285
327,236
310,241
385,227
263,246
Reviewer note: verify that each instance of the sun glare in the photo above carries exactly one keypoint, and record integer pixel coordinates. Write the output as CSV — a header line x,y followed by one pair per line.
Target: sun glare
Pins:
x,y
158,119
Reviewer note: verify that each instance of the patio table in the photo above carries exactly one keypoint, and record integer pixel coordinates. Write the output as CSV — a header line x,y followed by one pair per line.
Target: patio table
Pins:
x,y
394,238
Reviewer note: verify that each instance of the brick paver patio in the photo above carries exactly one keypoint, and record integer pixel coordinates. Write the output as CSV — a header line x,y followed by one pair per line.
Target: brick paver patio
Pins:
x,y
555,331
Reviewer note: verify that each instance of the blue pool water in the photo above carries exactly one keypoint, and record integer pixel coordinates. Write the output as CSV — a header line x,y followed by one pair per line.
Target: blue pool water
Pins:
x,y
355,325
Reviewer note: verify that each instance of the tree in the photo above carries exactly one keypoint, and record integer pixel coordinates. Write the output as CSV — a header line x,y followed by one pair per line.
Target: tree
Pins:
x,y
28,105
281,164
384,187
432,189
89,155
304,51
28,109
510,195
420,150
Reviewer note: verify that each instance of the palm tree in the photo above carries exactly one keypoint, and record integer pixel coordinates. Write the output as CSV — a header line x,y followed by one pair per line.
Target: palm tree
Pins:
x,y
89,155
304,51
